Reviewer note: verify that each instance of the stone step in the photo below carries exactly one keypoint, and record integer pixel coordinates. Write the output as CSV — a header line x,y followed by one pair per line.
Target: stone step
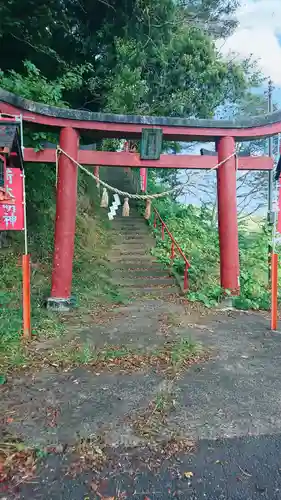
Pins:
x,y
141,273
122,222
145,282
132,216
146,266
133,257
133,268
130,227
136,239
125,233
137,252
128,220
135,247
131,235
153,292
133,242
123,245
155,286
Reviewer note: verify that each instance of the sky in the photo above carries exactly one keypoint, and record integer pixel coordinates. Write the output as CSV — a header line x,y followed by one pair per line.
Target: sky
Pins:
x,y
259,35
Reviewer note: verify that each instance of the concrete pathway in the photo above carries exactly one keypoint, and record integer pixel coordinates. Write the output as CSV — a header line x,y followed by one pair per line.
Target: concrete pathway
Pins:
x,y
228,406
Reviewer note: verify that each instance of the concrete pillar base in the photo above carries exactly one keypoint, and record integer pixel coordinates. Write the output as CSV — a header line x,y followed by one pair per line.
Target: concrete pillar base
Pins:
x,y
61,305
226,304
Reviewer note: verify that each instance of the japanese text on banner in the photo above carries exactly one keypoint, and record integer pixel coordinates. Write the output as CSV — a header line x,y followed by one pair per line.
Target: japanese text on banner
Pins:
x,y
11,207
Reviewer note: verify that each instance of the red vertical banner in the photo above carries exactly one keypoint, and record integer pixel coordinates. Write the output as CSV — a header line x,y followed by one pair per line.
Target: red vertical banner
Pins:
x,y
11,206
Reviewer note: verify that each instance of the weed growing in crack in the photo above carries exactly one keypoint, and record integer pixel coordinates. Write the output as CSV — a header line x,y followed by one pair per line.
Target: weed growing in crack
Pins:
x,y
184,350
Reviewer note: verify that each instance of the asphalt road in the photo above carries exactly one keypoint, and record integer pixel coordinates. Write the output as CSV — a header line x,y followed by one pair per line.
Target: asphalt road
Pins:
x,y
229,469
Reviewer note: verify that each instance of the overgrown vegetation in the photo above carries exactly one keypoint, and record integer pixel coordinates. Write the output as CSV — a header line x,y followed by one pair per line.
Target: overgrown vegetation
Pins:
x,y
196,231
91,277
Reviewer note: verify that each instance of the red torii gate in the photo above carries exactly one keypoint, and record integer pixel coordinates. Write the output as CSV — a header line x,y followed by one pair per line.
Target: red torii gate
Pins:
x,y
71,122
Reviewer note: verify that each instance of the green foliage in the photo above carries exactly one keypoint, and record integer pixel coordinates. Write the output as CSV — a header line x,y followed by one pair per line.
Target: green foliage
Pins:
x,y
183,350
35,86
153,56
197,236
91,277
182,76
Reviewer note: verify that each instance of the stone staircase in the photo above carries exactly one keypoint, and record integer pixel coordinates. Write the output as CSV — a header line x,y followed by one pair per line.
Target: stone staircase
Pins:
x,y
134,269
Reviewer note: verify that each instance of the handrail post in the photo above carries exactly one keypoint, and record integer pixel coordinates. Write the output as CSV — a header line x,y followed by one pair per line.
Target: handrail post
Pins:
x,y
174,247
185,282
172,251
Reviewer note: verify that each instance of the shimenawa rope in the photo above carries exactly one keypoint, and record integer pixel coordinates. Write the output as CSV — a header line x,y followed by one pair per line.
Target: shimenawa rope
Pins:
x,y
136,196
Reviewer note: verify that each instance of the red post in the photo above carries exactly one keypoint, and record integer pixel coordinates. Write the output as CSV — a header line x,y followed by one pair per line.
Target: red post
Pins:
x,y
142,170
172,250
97,174
26,296
185,281
65,221
227,216
163,231
274,291
278,228
155,221
144,179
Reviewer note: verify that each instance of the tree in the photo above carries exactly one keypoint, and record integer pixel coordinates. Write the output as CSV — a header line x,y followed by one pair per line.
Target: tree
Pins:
x,y
215,17
63,33
181,76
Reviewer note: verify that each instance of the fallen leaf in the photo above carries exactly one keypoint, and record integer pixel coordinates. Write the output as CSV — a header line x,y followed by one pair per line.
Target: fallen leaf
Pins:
x,y
188,474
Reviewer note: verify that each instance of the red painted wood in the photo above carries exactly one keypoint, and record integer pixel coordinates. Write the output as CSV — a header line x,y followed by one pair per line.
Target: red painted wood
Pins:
x,y
129,130
65,216
45,156
279,209
185,279
158,216
143,179
123,159
227,217
172,251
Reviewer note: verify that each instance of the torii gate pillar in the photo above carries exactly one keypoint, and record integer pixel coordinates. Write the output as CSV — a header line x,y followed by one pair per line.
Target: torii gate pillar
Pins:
x,y
227,216
65,222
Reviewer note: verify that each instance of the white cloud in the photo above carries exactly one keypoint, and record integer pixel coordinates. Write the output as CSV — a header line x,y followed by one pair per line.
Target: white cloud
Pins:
x,y
257,34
